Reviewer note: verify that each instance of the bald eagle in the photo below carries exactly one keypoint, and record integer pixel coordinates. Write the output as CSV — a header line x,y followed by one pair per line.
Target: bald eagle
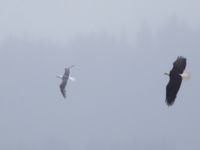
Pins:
x,y
65,79
175,79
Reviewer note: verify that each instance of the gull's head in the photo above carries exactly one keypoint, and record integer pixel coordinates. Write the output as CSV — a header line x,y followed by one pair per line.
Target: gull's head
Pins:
x,y
59,76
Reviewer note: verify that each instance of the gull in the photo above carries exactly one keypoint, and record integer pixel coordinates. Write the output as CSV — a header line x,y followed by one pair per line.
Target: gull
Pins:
x,y
65,77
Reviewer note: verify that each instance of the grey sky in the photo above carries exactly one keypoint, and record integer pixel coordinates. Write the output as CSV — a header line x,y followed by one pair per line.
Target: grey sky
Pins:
x,y
63,19
118,101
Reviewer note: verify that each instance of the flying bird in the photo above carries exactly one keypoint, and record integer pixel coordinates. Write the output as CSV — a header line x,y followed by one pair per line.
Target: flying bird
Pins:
x,y
65,79
175,79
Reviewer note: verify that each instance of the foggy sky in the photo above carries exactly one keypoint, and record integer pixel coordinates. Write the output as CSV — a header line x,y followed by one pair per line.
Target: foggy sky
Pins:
x,y
121,50
63,19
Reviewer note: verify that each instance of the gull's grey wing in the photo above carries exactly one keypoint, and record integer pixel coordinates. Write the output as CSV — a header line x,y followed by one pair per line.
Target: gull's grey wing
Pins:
x,y
66,74
65,79
62,88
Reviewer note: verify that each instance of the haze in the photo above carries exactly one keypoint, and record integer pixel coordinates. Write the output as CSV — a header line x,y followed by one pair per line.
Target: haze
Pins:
x,y
121,50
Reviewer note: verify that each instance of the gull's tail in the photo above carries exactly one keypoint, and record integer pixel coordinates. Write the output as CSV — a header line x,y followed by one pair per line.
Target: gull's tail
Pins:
x,y
72,78
186,75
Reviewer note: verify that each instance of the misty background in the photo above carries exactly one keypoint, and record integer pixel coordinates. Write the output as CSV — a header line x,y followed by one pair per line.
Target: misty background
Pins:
x,y
121,50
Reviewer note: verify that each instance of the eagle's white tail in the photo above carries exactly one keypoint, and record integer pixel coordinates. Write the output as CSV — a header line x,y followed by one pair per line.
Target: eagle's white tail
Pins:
x,y
72,78
186,75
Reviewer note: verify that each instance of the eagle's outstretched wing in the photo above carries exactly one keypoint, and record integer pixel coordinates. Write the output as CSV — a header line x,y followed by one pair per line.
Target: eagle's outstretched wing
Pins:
x,y
175,80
